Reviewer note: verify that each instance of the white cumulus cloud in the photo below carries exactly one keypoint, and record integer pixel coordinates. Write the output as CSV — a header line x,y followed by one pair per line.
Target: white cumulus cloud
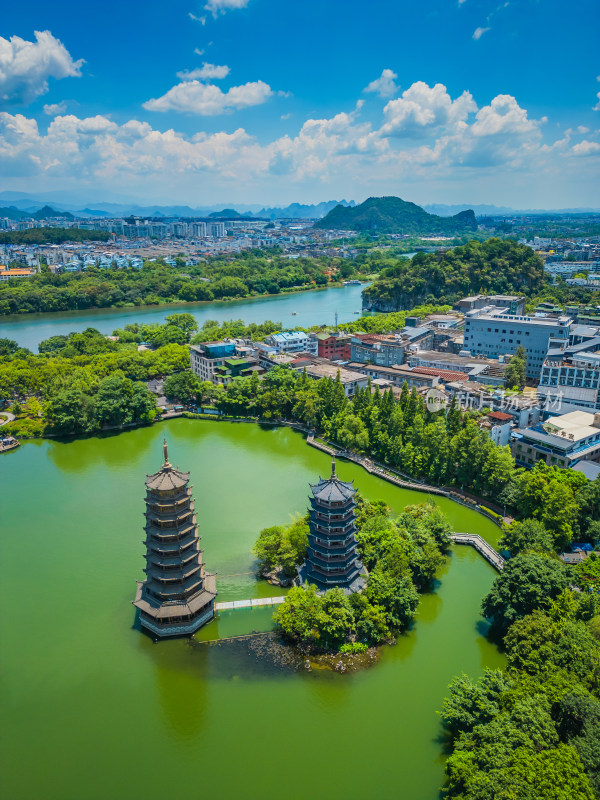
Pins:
x,y
478,32
217,7
422,108
585,148
195,97
53,109
205,72
385,85
26,66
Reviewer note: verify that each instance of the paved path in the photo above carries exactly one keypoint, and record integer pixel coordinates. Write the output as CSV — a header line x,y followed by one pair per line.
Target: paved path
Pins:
x,y
255,603
8,415
480,544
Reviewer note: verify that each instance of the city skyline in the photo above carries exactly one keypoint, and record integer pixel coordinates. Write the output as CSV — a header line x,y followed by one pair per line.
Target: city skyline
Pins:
x,y
245,101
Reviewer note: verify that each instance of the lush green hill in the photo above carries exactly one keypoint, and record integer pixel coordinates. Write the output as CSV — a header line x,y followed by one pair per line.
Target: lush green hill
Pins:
x,y
47,212
10,212
491,267
393,215
52,236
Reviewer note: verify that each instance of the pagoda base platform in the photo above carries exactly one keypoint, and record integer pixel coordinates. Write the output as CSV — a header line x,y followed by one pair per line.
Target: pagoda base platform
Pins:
x,y
356,582
180,619
181,629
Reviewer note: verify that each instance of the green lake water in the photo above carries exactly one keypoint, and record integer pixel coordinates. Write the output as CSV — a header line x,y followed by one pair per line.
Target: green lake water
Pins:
x,y
92,709
317,307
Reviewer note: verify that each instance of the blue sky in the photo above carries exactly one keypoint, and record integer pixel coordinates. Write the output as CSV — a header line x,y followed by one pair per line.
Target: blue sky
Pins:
x,y
257,101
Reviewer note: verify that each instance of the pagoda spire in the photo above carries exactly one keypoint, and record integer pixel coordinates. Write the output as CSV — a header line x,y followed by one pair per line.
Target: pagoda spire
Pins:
x,y
166,452
333,475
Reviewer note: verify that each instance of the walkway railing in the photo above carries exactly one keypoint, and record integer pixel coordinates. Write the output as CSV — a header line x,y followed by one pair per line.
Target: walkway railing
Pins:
x,y
480,544
385,474
253,603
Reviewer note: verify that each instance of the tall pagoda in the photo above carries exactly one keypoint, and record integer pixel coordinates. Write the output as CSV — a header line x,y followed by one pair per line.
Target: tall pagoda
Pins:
x,y
178,595
332,556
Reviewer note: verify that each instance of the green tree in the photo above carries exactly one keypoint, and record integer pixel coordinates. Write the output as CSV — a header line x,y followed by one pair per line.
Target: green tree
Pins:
x,y
516,369
183,386
298,616
528,534
528,582
335,619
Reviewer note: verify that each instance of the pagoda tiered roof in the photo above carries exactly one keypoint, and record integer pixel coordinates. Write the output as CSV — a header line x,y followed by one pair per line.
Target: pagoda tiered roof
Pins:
x,y
167,478
174,609
332,554
178,594
333,490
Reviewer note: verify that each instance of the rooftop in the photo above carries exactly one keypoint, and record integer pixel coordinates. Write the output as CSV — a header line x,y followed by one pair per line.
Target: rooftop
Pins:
x,y
289,336
499,416
576,425
333,490
331,371
443,374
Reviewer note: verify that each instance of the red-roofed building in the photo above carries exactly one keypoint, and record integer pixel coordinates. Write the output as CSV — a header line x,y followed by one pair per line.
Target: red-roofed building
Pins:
x,y
500,416
498,425
335,347
17,272
445,375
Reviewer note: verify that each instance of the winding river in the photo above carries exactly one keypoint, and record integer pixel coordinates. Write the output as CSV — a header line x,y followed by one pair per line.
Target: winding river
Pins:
x,y
302,309
91,709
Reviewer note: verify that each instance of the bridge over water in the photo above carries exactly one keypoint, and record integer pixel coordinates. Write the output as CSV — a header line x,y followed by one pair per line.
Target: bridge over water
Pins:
x,y
473,539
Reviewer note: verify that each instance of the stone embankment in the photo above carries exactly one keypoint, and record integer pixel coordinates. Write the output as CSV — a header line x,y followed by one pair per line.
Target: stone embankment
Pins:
x,y
387,475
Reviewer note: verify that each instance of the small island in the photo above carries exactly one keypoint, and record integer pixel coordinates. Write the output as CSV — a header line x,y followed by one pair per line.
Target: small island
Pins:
x,y
355,572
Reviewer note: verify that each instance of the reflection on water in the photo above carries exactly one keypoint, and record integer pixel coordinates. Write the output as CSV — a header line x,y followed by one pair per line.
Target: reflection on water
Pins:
x,y
101,710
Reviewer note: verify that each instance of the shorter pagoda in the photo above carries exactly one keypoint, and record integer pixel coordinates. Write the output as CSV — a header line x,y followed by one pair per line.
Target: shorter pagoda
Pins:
x,y
332,555
178,595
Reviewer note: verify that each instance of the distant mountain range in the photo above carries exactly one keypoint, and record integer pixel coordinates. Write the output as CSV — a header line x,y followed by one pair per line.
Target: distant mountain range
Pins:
x,y
394,215
46,212
18,205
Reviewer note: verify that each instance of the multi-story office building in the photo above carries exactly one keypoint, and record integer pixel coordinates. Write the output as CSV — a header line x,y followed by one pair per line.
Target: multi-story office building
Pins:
x,y
385,350
511,303
561,441
293,342
497,334
206,357
573,377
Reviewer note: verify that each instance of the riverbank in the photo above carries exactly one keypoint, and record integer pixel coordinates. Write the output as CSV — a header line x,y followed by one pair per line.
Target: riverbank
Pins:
x,y
304,309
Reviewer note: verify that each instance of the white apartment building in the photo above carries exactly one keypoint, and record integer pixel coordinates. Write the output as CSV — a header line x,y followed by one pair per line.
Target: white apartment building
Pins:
x,y
293,342
197,229
217,230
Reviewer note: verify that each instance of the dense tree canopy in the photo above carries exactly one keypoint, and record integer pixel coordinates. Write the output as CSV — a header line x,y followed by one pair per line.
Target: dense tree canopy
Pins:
x,y
493,266
401,555
245,275
532,731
